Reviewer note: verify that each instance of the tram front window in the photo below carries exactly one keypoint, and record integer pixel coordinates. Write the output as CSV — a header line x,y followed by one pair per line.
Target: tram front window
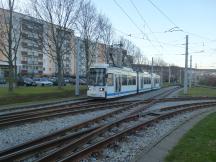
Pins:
x,y
97,77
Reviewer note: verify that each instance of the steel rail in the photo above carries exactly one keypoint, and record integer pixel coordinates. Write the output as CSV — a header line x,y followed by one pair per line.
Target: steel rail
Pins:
x,y
64,131
17,118
76,144
49,138
99,145
32,117
53,108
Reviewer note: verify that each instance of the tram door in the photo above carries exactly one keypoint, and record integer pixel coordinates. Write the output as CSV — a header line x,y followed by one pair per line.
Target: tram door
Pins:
x,y
117,83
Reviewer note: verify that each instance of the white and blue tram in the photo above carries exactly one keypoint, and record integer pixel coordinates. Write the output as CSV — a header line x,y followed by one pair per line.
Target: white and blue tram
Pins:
x,y
112,82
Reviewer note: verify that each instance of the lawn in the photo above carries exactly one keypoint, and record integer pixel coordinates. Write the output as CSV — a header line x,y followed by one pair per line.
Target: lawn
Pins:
x,y
30,94
167,84
200,91
198,145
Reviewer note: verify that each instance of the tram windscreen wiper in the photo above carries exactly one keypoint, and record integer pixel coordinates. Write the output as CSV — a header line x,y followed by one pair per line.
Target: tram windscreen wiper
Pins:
x,y
97,76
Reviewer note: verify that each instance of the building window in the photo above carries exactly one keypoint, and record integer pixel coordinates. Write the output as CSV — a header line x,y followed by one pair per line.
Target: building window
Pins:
x,y
24,35
24,44
24,53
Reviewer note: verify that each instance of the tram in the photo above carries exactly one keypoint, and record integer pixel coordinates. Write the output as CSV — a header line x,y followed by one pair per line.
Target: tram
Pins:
x,y
110,82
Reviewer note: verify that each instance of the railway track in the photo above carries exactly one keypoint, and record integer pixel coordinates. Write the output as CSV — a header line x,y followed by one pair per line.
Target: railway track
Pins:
x,y
36,114
85,141
103,136
62,137
70,109
71,130
48,105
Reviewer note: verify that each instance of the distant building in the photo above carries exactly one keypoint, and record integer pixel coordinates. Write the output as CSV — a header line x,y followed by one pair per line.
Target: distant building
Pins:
x,y
33,60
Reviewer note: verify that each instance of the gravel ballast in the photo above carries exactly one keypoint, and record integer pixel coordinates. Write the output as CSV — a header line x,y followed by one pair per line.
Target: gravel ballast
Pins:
x,y
36,106
15,135
175,103
132,145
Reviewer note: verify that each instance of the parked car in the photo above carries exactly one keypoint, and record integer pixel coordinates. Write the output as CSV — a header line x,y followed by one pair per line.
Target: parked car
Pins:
x,y
26,82
43,82
72,81
55,82
2,81
66,80
83,81
29,82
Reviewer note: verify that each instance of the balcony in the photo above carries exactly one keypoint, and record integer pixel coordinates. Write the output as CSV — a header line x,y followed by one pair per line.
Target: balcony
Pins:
x,y
23,62
40,72
24,54
24,71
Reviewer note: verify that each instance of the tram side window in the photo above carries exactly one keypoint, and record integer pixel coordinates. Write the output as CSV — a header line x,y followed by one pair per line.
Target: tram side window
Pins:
x,y
149,81
134,81
124,79
130,80
145,80
156,81
142,82
110,79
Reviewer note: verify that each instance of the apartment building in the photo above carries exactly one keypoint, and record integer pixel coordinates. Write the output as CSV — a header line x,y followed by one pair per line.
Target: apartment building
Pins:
x,y
99,53
32,56
31,48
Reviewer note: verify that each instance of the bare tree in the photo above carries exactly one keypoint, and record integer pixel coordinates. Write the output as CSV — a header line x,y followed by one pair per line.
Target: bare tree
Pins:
x,y
106,35
160,62
132,50
139,58
59,17
10,32
127,45
88,27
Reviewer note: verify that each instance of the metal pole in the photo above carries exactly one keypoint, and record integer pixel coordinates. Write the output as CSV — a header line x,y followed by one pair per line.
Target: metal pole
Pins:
x,y
96,54
107,54
161,76
196,75
169,74
77,92
152,72
190,79
180,78
186,68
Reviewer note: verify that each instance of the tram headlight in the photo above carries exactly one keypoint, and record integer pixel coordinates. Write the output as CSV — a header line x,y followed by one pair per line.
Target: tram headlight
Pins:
x,y
90,88
101,89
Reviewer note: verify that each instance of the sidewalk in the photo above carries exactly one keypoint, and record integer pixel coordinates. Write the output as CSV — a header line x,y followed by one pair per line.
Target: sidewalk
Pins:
x,y
158,151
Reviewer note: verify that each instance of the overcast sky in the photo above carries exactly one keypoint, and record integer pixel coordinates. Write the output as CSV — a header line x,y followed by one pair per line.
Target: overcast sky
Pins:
x,y
197,18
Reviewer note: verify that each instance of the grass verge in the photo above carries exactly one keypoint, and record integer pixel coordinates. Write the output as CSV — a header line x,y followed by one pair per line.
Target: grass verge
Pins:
x,y
198,145
200,91
31,94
